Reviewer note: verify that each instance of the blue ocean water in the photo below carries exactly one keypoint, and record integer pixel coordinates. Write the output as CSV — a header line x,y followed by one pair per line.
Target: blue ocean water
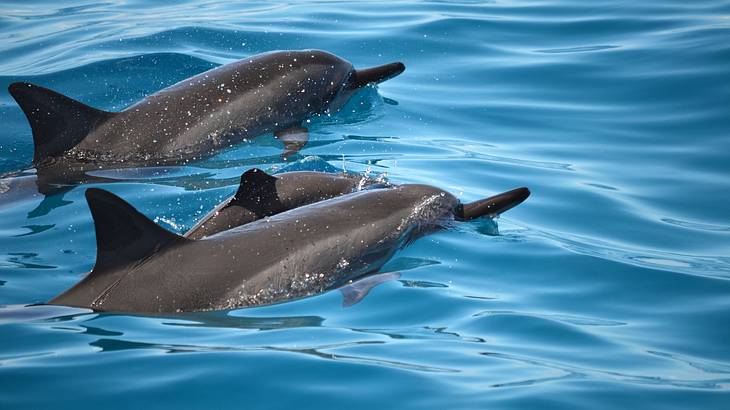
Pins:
x,y
609,287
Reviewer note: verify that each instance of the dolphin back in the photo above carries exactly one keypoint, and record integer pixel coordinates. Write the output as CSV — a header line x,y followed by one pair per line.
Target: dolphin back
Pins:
x,y
260,195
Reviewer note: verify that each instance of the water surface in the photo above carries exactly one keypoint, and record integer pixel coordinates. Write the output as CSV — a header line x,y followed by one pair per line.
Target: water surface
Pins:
x,y
609,287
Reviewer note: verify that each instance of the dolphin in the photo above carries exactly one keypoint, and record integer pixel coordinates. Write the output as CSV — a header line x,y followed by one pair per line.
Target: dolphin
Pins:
x,y
141,267
271,92
260,195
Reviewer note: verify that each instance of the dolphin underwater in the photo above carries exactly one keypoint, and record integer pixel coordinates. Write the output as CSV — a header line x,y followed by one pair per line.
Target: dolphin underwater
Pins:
x,y
260,195
270,92
141,267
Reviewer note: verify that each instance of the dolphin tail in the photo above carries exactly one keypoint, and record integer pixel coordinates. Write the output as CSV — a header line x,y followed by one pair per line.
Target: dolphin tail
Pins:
x,y
58,122
361,78
493,205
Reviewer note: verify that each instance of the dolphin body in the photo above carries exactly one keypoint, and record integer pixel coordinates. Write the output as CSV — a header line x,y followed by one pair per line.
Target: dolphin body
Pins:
x,y
141,267
195,118
260,195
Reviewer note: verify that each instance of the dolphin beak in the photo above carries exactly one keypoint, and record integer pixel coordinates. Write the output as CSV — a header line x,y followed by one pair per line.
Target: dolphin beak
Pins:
x,y
361,78
494,205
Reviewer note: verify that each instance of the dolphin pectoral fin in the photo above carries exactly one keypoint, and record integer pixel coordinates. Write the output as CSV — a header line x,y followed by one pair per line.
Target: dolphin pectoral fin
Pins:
x,y
356,291
123,234
58,122
294,139
365,76
493,205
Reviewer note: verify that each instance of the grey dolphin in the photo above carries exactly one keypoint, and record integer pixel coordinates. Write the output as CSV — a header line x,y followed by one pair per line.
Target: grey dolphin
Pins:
x,y
141,267
260,194
270,92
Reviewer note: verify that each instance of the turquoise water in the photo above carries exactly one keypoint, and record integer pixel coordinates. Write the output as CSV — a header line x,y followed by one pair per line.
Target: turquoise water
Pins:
x,y
609,287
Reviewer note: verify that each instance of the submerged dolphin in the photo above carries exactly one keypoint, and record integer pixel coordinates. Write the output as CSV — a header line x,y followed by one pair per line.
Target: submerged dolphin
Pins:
x,y
260,194
270,92
141,267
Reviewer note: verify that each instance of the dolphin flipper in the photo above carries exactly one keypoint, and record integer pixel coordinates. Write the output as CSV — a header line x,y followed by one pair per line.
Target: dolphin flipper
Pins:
x,y
492,206
355,292
58,122
294,139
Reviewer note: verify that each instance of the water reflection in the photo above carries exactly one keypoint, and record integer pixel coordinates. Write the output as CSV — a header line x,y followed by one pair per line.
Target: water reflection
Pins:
x,y
471,150
425,332
97,331
709,265
404,263
696,225
35,229
370,138
113,340
26,260
423,284
29,185
588,373
115,345
31,313
706,366
225,320
50,202
570,319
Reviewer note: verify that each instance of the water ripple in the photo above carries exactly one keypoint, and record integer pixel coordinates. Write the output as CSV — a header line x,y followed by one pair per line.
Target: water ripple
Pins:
x,y
573,320
582,49
613,113
715,266
573,371
111,345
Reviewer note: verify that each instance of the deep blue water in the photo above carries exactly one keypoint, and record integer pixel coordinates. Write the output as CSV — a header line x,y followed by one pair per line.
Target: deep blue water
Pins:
x,y
609,287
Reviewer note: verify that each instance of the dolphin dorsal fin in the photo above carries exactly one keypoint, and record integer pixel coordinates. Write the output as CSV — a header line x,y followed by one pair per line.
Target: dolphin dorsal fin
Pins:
x,y
123,235
58,122
256,192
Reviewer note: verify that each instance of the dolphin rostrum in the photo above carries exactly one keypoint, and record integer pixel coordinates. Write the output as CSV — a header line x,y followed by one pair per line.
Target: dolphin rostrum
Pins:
x,y
141,267
270,92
